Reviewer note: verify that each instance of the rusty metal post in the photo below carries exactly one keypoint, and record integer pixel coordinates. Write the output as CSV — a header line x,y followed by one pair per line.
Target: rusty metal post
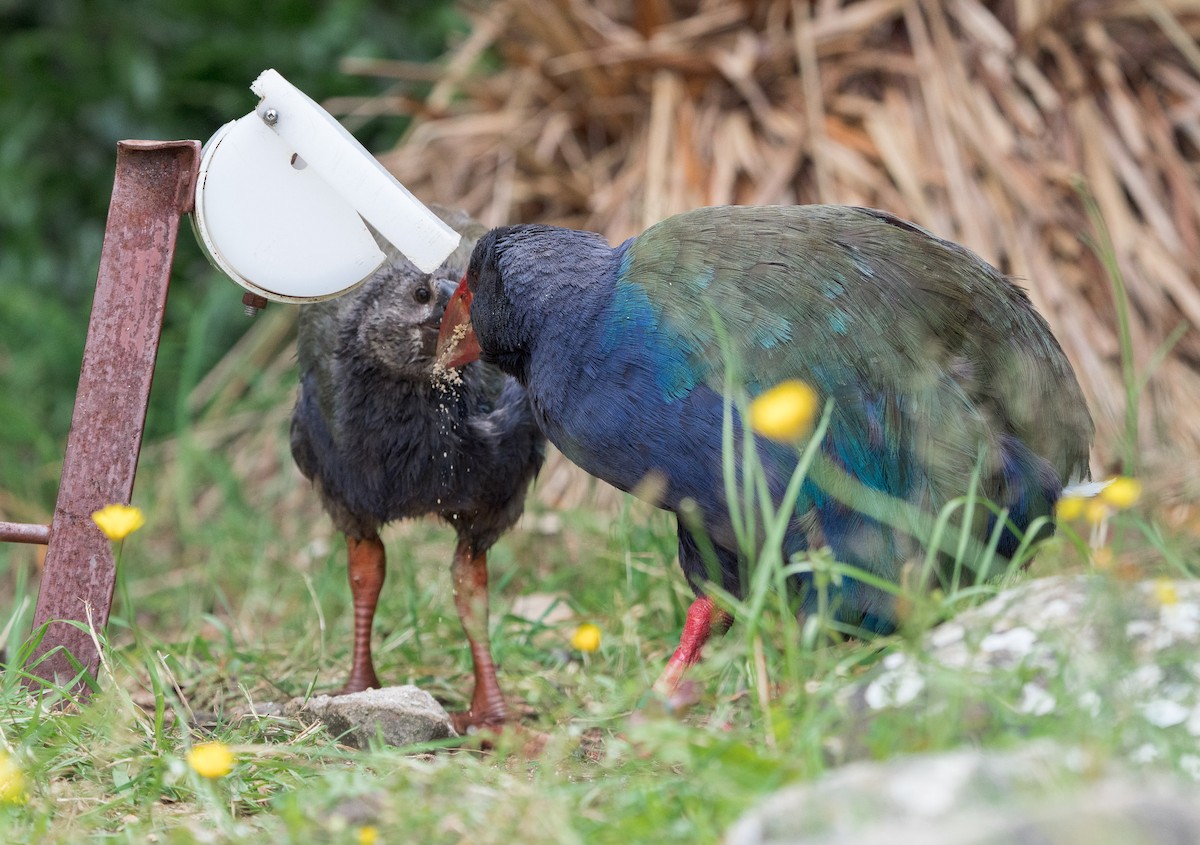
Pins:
x,y
154,186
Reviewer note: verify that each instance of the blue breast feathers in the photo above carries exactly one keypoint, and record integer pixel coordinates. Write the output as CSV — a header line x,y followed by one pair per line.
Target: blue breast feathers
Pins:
x,y
632,319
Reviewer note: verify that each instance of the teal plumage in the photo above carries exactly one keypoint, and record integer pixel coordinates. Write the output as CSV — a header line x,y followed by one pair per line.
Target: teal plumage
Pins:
x,y
937,367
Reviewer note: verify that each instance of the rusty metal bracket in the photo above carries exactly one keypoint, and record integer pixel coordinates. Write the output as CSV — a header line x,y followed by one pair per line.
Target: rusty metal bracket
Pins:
x,y
154,186
24,532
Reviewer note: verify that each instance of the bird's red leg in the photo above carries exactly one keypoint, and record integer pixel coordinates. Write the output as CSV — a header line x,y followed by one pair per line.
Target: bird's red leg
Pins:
x,y
367,565
703,618
471,601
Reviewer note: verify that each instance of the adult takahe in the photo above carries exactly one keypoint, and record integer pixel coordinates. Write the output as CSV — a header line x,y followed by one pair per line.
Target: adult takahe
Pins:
x,y
934,363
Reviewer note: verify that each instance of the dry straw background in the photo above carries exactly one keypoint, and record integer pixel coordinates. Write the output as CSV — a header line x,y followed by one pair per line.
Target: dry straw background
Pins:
x,y
986,122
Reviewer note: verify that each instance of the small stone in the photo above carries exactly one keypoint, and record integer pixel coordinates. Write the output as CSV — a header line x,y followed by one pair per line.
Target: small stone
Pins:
x,y
398,716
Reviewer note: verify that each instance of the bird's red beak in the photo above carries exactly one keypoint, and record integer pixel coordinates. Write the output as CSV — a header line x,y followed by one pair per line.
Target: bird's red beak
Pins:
x,y
457,344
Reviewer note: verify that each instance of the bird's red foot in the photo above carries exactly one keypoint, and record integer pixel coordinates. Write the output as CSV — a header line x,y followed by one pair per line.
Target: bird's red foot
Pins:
x,y
488,710
703,617
468,721
359,681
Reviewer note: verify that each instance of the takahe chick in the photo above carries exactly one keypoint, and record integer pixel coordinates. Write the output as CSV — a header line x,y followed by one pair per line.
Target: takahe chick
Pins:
x,y
382,439
934,362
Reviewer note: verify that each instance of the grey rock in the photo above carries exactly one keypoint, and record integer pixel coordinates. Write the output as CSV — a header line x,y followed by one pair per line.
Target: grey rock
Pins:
x,y
1040,794
1123,653
1112,664
399,716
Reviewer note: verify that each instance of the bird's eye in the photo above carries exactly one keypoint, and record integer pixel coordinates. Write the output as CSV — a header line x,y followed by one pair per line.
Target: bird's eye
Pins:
x,y
422,295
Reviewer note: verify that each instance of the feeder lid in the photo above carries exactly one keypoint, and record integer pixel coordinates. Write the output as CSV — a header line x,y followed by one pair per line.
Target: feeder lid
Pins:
x,y
290,206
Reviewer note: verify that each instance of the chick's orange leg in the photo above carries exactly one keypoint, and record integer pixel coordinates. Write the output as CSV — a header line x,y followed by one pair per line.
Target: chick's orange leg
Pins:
x,y
471,600
367,564
703,619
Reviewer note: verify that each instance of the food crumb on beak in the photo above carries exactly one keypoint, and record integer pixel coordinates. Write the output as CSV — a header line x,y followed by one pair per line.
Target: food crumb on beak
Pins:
x,y
457,343
443,373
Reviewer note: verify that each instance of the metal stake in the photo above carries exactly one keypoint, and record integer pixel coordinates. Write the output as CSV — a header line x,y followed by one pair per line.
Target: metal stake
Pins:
x,y
154,186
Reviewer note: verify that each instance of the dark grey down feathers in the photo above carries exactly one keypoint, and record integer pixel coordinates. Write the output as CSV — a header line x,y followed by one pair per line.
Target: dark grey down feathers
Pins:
x,y
380,439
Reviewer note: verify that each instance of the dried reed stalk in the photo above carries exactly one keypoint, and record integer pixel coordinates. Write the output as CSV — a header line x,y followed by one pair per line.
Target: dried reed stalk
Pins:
x,y
984,121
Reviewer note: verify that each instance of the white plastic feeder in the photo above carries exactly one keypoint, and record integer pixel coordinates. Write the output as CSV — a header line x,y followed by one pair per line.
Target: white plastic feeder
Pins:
x,y
286,200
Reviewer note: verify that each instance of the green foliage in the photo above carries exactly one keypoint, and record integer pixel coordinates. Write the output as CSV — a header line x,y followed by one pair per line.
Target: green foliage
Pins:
x,y
245,611
75,78
236,591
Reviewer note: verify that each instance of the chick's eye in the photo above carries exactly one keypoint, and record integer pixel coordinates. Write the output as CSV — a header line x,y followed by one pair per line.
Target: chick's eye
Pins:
x,y
422,295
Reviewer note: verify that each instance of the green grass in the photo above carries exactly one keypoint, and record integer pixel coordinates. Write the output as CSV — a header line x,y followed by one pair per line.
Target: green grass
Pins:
x,y
229,599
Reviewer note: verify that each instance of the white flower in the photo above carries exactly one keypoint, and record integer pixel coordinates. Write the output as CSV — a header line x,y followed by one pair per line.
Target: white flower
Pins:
x,y
895,660
1181,619
1193,722
1163,713
1036,701
1178,621
1143,679
896,687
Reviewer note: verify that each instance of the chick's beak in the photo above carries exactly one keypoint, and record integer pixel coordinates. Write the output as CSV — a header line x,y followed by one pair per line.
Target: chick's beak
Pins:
x,y
457,343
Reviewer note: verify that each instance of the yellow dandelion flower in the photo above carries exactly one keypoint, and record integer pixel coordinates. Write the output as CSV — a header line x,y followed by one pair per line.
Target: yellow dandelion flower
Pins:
x,y
785,412
118,521
1069,508
211,759
368,835
586,637
1095,511
1122,492
12,780
1165,592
